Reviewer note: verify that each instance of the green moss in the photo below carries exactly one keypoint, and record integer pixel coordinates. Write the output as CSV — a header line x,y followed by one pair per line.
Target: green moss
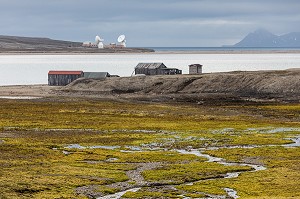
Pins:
x,y
269,156
158,156
278,181
107,190
31,168
273,183
112,115
194,171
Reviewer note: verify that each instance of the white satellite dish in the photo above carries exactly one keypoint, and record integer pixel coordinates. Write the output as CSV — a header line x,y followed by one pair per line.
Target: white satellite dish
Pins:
x,y
99,42
98,39
121,38
122,41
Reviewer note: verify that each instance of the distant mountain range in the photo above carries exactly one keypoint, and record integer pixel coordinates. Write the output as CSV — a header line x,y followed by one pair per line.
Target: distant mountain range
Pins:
x,y
264,38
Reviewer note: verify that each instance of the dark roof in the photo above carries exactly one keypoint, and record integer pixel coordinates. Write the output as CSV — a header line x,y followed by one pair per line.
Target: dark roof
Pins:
x,y
150,65
63,72
170,69
195,65
96,75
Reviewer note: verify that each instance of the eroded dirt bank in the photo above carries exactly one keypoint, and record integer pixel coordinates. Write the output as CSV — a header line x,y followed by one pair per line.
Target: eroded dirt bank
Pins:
x,y
259,85
224,87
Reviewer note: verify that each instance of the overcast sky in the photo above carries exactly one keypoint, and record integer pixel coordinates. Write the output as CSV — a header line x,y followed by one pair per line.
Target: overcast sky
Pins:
x,y
149,23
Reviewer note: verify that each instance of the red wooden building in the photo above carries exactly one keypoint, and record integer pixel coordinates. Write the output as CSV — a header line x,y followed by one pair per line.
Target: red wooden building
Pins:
x,y
62,78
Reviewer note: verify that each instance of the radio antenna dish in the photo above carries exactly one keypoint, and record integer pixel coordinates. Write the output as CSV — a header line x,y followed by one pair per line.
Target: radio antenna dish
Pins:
x,y
99,41
122,41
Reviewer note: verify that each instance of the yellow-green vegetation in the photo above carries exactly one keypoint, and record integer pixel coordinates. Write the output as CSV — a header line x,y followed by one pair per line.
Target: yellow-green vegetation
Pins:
x,y
194,171
36,162
157,156
146,192
115,115
280,180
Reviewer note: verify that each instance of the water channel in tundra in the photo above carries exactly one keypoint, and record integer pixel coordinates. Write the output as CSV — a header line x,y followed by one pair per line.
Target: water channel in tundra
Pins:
x,y
200,153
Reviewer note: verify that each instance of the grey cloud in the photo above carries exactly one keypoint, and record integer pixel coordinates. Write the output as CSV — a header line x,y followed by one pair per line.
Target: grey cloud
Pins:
x,y
149,23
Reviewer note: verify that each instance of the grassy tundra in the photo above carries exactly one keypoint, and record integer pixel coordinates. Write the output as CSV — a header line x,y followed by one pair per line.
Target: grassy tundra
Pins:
x,y
92,148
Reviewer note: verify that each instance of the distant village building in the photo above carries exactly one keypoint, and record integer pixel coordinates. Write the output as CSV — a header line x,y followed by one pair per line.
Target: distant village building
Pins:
x,y
62,78
195,69
111,45
96,75
155,69
89,44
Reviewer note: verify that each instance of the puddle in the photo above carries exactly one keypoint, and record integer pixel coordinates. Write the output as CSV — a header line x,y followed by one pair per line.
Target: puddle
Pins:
x,y
104,147
144,131
233,175
135,131
225,130
279,130
295,144
19,97
199,154
91,130
128,149
66,152
273,130
78,146
75,146
111,159
232,193
190,184
119,194
133,148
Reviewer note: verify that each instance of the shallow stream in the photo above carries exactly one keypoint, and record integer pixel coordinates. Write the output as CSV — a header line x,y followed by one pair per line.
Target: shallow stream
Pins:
x,y
198,152
231,192
119,194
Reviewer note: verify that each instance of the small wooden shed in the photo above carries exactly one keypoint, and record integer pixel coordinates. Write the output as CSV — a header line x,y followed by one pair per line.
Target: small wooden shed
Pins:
x,y
96,75
62,78
171,71
195,69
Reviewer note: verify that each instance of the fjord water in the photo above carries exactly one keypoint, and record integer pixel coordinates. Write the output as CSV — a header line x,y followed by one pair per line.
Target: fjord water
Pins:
x,y
33,69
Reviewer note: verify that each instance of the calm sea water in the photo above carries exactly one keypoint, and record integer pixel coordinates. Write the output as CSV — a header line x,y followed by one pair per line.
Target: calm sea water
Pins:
x,y
33,69
162,49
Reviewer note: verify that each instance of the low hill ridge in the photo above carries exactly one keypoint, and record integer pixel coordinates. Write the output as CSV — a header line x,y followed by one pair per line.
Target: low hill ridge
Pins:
x,y
283,85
